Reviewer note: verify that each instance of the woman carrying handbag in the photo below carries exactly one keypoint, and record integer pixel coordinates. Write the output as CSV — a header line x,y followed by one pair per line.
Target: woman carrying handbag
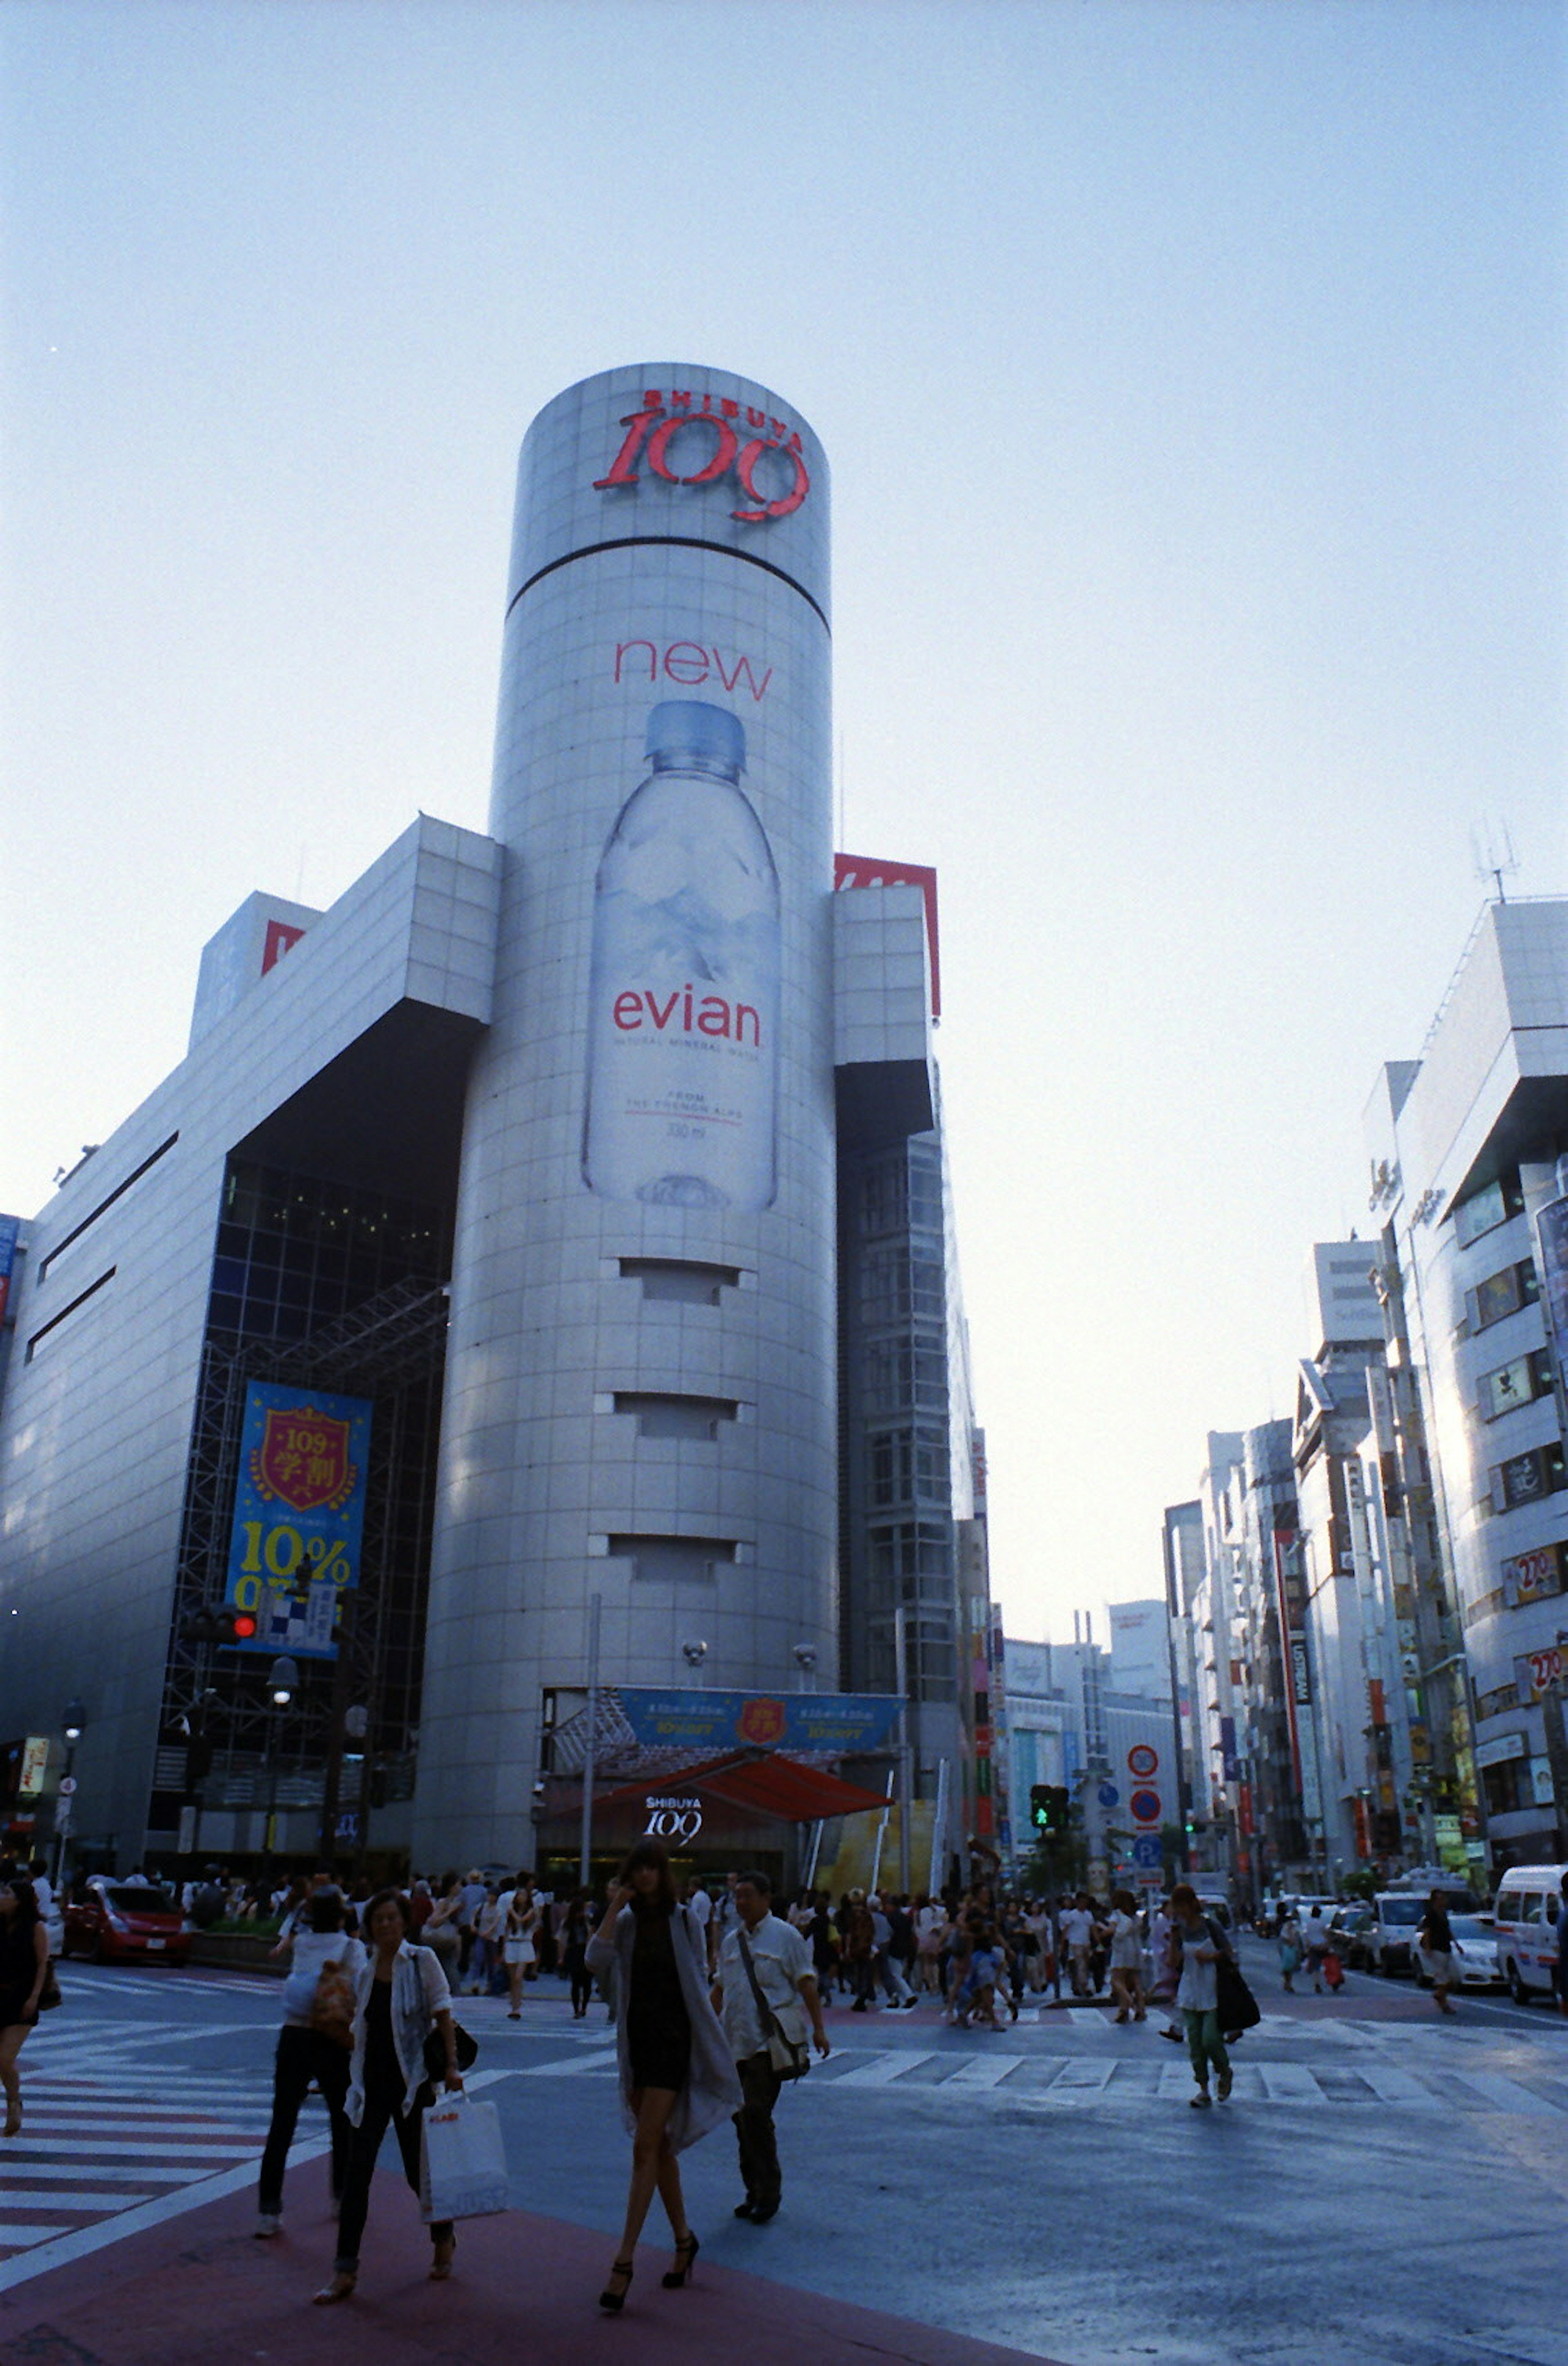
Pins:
x,y
401,1998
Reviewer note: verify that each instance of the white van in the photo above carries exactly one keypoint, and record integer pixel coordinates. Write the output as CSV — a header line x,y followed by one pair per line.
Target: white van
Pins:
x,y
1529,1917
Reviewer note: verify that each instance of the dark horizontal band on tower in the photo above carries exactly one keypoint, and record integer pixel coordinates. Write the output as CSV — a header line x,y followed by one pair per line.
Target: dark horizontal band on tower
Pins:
x,y
669,541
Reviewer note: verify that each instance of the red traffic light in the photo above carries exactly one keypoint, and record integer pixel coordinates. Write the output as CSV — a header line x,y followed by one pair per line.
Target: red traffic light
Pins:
x,y
244,1625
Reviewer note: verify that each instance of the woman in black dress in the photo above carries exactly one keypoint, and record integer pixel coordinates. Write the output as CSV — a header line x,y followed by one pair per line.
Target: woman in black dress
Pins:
x,y
677,2075
23,1964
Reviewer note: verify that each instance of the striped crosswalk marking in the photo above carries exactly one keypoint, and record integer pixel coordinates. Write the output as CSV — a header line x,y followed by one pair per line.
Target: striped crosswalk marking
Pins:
x,y
881,2070
985,2070
218,2151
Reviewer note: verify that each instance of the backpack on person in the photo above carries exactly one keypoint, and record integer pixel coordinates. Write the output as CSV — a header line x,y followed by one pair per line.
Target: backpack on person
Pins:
x,y
332,2004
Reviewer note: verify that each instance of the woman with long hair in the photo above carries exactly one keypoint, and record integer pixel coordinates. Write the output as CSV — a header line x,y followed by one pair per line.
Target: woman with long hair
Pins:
x,y
400,1996
519,1941
677,2077
24,1968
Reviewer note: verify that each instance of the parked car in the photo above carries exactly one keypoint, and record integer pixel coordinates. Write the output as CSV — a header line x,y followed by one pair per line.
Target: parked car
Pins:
x,y
1397,1915
124,1923
1474,1954
1351,1927
1391,1933
1529,1918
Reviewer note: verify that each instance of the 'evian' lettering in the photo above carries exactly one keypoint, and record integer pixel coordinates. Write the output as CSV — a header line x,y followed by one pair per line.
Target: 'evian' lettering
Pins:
x,y
712,1015
651,432
689,664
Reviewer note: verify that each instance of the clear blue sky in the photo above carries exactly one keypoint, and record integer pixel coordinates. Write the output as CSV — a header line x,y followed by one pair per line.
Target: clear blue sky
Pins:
x,y
1193,378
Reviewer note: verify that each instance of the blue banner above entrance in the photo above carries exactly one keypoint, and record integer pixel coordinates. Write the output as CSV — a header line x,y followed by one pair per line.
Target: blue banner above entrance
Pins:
x,y
839,1722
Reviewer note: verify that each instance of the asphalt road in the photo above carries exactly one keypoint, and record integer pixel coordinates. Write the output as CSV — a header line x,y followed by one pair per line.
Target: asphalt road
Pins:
x,y
1384,2188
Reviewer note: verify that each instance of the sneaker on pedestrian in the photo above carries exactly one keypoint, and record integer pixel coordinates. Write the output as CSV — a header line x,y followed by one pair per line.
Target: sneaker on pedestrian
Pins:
x,y
1225,2088
269,2223
1203,2100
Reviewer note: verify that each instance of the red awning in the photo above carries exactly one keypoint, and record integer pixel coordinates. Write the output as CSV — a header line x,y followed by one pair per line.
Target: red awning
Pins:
x,y
767,1786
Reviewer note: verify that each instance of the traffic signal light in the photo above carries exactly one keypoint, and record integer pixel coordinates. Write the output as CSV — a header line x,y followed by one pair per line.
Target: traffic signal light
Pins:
x,y
1048,1809
219,1623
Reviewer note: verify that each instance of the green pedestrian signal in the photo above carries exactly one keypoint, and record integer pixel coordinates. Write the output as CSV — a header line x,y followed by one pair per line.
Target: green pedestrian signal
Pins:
x,y
1048,1809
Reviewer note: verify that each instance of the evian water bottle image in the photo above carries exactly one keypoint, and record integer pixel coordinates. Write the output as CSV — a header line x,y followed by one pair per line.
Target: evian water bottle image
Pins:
x,y
683,989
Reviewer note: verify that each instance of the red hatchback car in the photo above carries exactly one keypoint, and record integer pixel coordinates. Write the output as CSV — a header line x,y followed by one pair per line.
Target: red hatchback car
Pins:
x,y
125,1922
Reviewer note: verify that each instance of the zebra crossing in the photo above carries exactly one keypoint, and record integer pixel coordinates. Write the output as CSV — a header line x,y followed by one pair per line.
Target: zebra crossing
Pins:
x,y
1087,2076
112,2142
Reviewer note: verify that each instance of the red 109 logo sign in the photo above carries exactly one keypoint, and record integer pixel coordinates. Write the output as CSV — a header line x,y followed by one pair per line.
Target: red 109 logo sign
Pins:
x,y
718,453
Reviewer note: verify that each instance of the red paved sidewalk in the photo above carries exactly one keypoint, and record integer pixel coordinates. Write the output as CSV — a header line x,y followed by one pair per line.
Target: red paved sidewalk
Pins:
x,y
200,2291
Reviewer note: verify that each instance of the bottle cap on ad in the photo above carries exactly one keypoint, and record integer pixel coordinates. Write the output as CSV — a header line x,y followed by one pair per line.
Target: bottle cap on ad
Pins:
x,y
687,726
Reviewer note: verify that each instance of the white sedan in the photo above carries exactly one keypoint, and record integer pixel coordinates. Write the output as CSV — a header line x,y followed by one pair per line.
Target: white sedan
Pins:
x,y
1475,1951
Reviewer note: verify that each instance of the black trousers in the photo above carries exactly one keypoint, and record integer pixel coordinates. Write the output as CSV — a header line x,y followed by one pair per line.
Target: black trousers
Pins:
x,y
759,2173
381,2102
303,2055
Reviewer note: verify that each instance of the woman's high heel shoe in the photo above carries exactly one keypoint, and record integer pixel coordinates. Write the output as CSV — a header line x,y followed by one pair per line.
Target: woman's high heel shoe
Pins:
x,y
685,2252
340,2288
615,2301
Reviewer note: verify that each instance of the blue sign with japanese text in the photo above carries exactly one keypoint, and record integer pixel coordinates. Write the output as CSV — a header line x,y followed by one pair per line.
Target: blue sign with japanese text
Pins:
x,y
704,1721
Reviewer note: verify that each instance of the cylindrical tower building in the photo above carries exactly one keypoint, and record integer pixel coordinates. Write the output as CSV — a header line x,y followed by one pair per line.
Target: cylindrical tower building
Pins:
x,y
640,1384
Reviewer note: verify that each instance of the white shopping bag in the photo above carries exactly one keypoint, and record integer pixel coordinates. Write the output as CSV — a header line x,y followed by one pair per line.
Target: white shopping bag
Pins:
x,y
462,2161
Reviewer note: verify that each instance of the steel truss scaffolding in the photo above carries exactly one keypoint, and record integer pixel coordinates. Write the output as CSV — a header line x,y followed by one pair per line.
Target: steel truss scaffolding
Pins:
x,y
216,1706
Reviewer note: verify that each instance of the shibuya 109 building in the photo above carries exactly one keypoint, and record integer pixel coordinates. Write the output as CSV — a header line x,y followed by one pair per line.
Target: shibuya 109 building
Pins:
x,y
539,1271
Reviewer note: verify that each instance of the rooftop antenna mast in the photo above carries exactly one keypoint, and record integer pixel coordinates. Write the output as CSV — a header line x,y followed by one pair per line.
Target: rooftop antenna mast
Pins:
x,y
1489,864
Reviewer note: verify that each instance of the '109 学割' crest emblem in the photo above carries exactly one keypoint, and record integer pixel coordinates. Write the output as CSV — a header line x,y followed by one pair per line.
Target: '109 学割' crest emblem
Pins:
x,y
302,1460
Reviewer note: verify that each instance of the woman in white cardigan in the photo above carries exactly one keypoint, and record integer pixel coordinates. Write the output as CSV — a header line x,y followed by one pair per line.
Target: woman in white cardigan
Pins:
x,y
400,1996
678,2078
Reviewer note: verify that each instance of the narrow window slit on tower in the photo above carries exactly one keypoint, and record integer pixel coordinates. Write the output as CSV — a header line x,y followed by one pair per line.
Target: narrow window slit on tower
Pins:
x,y
683,1281
664,1414
675,1560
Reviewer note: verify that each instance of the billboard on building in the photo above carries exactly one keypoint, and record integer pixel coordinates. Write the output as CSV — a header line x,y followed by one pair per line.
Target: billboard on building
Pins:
x,y
871,871
689,1719
299,1517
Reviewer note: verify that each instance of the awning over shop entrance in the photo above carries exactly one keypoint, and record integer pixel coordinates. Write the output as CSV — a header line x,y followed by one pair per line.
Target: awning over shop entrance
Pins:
x,y
762,1785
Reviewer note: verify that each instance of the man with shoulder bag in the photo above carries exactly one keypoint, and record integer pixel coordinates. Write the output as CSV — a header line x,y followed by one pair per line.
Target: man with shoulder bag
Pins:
x,y
765,1993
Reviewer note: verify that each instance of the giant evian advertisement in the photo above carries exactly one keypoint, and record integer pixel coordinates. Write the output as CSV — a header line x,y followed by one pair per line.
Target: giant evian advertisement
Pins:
x,y
683,989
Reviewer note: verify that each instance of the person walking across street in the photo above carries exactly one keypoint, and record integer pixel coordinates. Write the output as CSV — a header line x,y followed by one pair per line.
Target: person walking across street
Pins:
x,y
313,2044
1198,1993
1126,1957
402,1996
1435,1945
1078,1937
519,1942
677,2075
1314,1945
24,1968
1289,1945
764,1981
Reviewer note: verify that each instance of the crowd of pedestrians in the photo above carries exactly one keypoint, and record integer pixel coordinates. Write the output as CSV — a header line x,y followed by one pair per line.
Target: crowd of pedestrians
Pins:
x,y
717,1994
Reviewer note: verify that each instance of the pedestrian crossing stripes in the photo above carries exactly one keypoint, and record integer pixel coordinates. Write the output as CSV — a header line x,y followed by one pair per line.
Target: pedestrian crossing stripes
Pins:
x,y
102,2152
1053,2083
102,2157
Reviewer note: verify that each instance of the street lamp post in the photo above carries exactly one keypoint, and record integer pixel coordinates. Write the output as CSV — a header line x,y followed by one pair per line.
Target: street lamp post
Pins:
x,y
282,1684
73,1724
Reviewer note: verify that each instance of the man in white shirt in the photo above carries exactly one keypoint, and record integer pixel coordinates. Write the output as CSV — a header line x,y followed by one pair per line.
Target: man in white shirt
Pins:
x,y
760,1952
1078,1936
